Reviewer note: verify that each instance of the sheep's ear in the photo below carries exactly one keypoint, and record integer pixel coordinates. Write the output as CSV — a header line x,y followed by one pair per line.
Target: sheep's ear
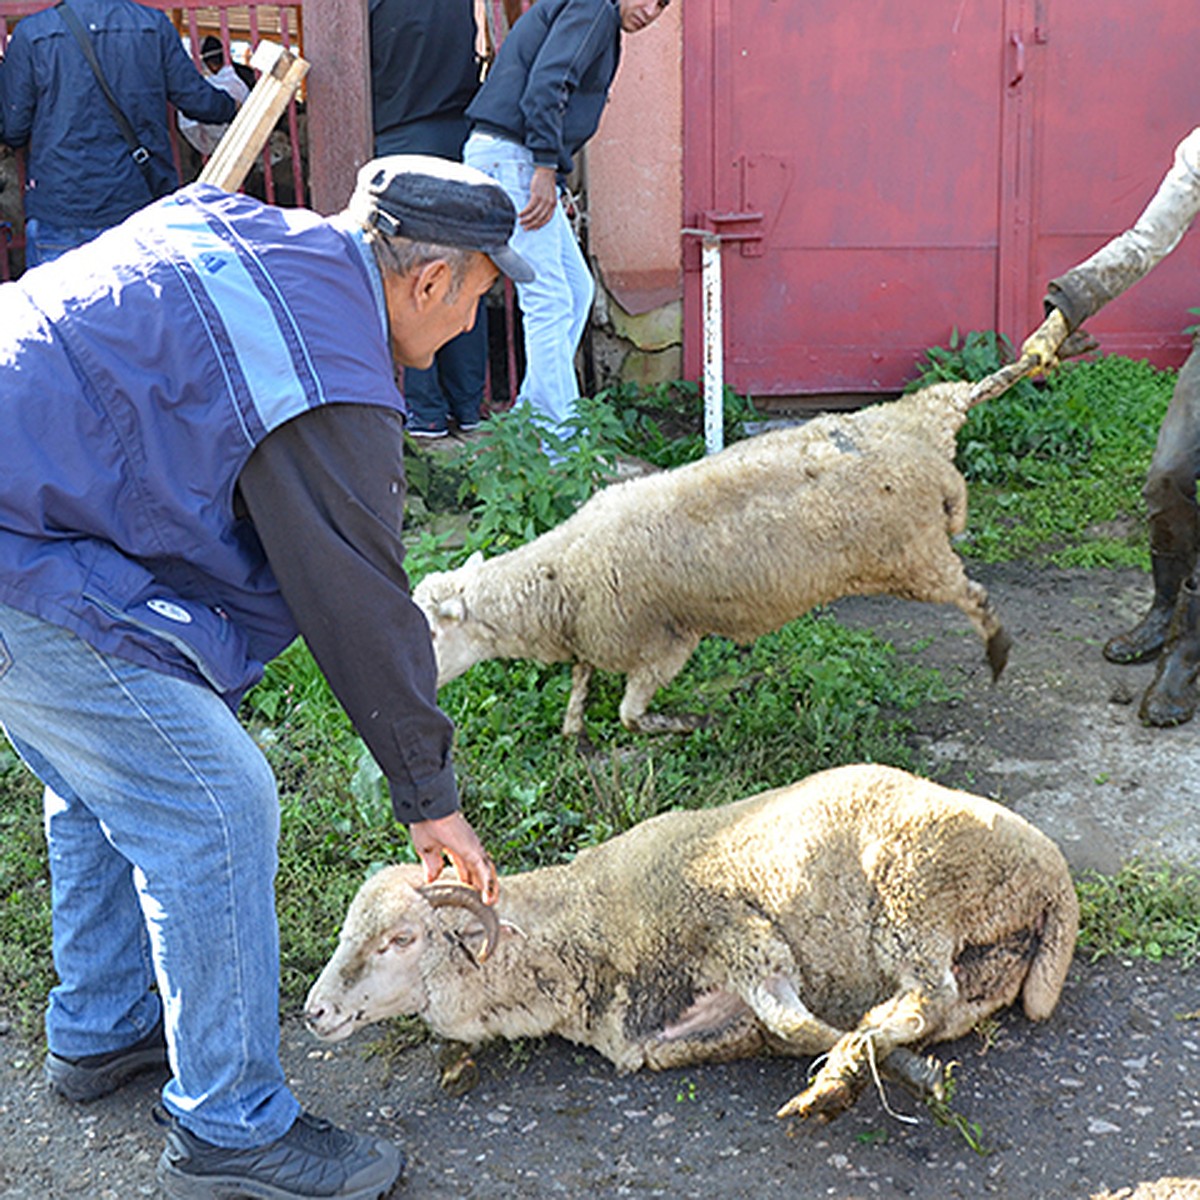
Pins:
x,y
473,563
454,608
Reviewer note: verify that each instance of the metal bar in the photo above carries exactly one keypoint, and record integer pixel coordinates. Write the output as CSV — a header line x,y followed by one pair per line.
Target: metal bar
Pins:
x,y
714,346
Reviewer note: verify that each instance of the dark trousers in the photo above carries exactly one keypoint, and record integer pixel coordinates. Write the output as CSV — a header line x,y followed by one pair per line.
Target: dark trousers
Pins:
x,y
453,386
1170,489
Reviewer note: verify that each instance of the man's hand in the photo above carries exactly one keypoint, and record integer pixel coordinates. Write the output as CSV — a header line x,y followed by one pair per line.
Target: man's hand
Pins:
x,y
1041,346
453,836
543,196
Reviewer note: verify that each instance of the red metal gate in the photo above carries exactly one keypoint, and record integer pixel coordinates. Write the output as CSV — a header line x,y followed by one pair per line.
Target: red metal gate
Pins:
x,y
884,173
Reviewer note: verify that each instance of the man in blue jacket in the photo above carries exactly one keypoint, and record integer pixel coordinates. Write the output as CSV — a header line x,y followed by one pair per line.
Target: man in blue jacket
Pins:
x,y
82,176
541,102
202,458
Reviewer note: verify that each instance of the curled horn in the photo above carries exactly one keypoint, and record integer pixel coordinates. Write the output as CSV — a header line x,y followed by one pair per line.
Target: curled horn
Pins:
x,y
459,895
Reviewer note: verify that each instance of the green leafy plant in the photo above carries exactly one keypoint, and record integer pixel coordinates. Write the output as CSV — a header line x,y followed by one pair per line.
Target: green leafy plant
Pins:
x,y
1149,911
1091,514
944,1113
521,481
664,423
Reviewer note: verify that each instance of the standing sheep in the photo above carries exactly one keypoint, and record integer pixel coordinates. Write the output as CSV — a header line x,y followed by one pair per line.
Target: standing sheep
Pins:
x,y
737,544
857,914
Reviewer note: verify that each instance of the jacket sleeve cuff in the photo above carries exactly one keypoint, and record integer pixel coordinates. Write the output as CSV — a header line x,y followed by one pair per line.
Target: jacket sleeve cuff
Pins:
x,y
427,800
1076,297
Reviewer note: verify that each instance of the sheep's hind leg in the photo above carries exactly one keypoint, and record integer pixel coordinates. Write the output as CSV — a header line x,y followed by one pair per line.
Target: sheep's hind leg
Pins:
x,y
643,681
945,581
859,1055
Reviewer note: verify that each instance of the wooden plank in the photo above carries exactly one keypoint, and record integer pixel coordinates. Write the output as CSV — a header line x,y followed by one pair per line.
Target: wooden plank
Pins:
x,y
247,134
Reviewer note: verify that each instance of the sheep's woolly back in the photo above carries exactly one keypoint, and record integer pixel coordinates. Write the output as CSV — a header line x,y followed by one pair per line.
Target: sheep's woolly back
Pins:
x,y
735,544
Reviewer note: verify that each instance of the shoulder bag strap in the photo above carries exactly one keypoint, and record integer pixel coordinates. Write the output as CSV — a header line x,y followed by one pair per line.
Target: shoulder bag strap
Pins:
x,y
137,151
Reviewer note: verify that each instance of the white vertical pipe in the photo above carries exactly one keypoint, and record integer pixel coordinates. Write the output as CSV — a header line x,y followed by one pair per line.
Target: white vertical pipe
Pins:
x,y
714,346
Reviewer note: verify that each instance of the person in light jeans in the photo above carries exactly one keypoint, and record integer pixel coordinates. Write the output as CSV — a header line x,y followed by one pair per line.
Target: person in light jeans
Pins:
x,y
204,460
541,101
556,302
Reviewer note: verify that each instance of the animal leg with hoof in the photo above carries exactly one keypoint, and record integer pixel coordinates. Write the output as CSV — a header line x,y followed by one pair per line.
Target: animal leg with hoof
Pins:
x,y
581,676
857,1058
643,681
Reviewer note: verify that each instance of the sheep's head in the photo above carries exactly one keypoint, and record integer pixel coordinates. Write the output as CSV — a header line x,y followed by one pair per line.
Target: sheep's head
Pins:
x,y
459,640
389,942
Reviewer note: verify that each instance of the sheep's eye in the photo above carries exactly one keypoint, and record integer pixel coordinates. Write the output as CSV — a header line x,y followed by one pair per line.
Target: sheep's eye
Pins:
x,y
398,942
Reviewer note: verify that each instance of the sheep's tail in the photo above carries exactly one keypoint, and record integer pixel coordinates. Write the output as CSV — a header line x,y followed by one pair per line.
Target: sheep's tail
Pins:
x,y
1048,971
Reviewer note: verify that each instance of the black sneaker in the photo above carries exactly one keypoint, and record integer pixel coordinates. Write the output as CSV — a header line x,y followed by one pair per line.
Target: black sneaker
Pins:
x,y
314,1158
96,1075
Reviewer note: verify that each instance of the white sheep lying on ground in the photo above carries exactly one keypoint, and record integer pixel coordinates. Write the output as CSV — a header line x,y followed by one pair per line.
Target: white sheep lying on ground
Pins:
x,y
856,914
737,544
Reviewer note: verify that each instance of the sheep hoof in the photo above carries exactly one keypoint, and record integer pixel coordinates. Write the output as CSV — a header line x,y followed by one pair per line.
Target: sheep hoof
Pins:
x,y
459,1071
998,646
823,1100
925,1076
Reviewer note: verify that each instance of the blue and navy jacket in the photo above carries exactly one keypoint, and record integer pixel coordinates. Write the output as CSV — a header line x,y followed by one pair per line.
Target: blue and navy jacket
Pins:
x,y
549,84
137,375
80,171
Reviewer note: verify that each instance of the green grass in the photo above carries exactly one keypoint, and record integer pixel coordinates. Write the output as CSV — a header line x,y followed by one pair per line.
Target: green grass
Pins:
x,y
809,696
26,973
1147,911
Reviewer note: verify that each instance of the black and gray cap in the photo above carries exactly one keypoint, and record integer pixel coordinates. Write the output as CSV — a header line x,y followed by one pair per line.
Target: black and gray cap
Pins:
x,y
446,203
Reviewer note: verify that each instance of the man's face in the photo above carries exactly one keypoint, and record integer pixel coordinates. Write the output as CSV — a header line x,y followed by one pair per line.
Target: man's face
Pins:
x,y
425,311
638,14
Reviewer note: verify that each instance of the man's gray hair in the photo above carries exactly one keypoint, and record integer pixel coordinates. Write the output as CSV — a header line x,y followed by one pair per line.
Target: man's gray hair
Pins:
x,y
398,255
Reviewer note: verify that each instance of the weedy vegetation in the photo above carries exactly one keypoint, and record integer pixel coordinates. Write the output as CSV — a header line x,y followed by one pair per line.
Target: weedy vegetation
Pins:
x,y
1056,470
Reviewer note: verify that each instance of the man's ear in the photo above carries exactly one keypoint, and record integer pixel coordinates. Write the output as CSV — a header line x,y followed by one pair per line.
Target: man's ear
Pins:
x,y
431,283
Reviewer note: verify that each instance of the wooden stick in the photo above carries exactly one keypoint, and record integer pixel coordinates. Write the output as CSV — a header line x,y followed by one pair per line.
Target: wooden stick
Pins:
x,y
242,143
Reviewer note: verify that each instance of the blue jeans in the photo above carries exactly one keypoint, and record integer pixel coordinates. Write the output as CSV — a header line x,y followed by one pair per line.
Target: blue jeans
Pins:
x,y
162,824
554,305
453,386
44,243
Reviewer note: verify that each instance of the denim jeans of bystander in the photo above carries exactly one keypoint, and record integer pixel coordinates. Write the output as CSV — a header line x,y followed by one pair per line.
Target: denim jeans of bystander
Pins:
x,y
162,824
556,303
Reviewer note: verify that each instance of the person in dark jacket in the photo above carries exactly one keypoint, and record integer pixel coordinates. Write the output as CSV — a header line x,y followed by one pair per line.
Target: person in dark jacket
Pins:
x,y
425,70
81,174
541,102
203,458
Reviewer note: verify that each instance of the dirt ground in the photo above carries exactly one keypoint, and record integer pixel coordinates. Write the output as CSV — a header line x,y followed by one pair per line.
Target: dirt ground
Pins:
x,y
1102,1101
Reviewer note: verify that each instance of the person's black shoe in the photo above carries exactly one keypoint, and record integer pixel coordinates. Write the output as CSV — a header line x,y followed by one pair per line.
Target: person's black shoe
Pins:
x,y
96,1075
313,1159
